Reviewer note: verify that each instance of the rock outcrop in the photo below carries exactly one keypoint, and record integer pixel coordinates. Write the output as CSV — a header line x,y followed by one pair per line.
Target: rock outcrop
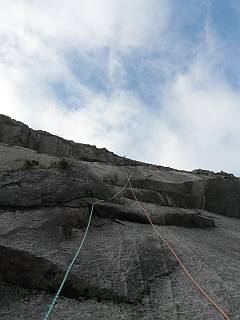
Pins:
x,y
47,187
15,133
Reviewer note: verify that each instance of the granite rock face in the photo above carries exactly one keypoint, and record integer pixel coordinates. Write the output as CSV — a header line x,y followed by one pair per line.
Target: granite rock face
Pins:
x,y
47,188
15,133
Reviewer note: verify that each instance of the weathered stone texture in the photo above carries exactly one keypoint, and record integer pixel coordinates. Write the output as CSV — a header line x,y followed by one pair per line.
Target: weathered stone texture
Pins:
x,y
47,187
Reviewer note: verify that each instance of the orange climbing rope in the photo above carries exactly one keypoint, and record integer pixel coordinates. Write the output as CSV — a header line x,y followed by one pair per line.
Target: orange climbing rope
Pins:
x,y
219,309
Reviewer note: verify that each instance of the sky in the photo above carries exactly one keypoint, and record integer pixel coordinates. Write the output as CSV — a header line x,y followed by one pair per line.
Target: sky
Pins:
x,y
153,80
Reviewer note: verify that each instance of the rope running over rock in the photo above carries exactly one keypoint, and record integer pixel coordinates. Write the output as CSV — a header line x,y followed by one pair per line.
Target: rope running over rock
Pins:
x,y
188,274
46,317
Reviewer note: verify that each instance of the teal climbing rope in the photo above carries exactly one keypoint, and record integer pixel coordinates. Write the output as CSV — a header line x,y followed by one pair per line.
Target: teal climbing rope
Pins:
x,y
70,267
46,317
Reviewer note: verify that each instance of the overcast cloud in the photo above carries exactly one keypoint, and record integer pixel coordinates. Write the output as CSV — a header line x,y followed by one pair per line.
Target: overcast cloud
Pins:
x,y
149,79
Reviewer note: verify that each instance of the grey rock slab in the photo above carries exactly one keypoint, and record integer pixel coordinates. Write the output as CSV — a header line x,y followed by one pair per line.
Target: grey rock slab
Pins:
x,y
161,215
113,265
41,187
208,255
14,158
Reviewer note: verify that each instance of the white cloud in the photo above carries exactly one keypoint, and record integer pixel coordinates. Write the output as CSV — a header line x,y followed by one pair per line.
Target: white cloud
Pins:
x,y
199,125
198,117
35,37
89,23
39,35
112,122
